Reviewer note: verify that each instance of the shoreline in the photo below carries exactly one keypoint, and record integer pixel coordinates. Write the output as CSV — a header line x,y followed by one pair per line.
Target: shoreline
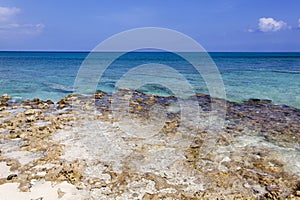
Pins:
x,y
75,147
252,100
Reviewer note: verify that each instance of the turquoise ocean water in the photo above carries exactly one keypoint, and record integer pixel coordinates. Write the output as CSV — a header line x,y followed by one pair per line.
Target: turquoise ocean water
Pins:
x,y
51,75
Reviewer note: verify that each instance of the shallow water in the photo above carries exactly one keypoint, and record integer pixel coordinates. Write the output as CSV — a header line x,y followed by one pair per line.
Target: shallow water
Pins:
x,y
275,76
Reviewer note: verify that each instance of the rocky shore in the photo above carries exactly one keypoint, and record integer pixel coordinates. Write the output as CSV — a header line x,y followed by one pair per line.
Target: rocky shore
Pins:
x,y
75,149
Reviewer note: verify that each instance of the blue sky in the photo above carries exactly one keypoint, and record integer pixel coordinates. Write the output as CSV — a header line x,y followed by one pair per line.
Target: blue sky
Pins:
x,y
228,25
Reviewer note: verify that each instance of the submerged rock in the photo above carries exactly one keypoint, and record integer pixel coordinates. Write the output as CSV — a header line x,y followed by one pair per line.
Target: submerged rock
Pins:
x,y
258,101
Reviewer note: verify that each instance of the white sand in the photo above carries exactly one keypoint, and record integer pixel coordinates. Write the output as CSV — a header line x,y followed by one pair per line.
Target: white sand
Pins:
x,y
4,170
41,190
24,157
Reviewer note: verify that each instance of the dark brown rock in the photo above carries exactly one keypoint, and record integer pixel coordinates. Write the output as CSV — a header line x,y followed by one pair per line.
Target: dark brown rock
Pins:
x,y
11,176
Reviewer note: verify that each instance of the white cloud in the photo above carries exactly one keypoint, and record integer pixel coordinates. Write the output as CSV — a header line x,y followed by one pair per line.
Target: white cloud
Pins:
x,y
17,29
271,25
6,13
299,22
10,27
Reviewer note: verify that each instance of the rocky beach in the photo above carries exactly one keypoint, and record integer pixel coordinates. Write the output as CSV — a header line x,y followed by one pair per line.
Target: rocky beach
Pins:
x,y
149,100
75,149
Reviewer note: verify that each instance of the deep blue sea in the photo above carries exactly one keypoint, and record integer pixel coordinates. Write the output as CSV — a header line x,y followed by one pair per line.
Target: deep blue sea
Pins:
x,y
51,75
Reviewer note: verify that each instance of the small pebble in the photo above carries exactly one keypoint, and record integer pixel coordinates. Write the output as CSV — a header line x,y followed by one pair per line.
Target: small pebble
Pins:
x,y
135,195
11,176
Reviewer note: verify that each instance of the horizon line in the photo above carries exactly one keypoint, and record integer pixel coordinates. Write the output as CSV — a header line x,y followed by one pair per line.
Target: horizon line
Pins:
x,y
88,51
